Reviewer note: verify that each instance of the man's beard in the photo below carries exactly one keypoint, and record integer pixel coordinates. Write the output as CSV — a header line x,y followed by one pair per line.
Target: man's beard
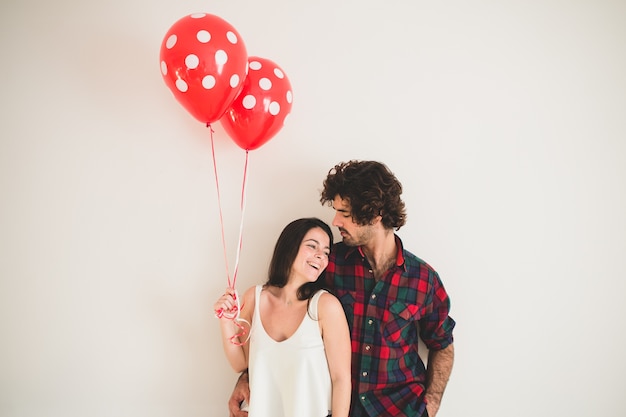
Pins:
x,y
363,235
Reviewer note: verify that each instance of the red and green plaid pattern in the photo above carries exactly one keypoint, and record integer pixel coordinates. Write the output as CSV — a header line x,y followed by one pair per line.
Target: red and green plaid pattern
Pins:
x,y
386,318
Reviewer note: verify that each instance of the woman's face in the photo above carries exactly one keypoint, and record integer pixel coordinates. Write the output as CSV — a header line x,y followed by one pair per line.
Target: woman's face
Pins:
x,y
312,257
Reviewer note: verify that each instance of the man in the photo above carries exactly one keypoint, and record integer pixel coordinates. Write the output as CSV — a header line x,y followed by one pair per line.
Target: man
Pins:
x,y
390,297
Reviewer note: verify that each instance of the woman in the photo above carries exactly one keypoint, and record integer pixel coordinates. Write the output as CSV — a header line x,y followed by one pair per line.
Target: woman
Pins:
x,y
298,353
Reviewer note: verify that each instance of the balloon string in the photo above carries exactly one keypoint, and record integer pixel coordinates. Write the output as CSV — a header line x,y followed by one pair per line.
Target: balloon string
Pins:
x,y
219,202
235,339
238,320
234,313
243,210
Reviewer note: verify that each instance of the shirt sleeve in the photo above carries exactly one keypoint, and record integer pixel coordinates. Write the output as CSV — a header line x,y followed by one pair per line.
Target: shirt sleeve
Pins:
x,y
436,325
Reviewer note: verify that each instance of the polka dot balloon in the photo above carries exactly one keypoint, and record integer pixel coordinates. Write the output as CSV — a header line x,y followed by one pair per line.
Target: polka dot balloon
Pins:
x,y
204,63
260,109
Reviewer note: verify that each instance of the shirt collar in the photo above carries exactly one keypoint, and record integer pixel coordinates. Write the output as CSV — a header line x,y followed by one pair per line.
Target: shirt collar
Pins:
x,y
399,255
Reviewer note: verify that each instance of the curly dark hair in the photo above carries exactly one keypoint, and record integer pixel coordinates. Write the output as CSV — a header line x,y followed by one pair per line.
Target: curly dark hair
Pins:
x,y
371,189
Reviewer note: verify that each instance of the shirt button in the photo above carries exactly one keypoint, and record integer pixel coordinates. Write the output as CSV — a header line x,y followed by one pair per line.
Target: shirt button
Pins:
x,y
363,397
370,321
373,296
364,373
367,347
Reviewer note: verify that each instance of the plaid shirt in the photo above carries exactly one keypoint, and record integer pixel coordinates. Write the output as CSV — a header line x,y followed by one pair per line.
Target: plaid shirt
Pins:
x,y
385,319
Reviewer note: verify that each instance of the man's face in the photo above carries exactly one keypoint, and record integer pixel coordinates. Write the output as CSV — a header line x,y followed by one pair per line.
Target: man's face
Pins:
x,y
352,233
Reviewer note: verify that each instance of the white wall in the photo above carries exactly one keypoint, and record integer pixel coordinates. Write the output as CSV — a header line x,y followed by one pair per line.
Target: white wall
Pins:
x,y
505,121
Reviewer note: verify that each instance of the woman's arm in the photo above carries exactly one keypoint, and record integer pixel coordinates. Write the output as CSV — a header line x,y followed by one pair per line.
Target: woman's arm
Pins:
x,y
336,336
233,341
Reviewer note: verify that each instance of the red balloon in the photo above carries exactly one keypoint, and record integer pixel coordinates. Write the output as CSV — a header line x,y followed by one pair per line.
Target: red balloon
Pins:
x,y
259,111
204,63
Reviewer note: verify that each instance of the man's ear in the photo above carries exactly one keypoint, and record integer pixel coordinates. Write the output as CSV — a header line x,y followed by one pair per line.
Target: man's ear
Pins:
x,y
376,220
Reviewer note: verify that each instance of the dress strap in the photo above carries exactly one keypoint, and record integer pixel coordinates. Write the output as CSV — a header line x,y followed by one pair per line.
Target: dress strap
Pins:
x,y
313,304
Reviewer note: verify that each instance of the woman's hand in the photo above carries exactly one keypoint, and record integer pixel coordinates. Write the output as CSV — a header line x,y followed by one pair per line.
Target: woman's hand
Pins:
x,y
226,306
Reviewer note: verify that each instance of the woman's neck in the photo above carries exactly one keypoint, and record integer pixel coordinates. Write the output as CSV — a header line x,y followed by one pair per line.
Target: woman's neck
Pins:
x,y
287,295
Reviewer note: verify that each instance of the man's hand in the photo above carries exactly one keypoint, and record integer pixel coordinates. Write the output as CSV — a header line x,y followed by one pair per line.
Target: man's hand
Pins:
x,y
240,393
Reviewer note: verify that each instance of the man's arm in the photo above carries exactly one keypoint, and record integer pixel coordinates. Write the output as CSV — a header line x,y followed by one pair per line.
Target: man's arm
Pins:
x,y
438,372
240,392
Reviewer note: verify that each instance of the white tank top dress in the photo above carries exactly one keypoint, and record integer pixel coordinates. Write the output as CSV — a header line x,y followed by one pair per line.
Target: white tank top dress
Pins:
x,y
289,378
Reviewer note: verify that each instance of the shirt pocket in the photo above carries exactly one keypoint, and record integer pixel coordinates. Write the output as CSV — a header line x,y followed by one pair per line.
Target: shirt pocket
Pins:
x,y
399,328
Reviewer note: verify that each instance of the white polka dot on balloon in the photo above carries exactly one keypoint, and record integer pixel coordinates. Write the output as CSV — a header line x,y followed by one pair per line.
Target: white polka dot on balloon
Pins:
x,y
232,38
265,83
289,96
248,102
198,15
221,57
163,68
279,73
208,82
234,81
171,41
203,36
255,65
192,61
274,108
182,86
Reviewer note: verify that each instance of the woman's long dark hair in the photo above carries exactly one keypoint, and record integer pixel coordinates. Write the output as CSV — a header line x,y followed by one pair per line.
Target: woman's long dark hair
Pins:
x,y
286,250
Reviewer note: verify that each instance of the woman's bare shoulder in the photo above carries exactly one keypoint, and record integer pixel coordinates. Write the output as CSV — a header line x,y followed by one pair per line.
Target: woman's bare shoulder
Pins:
x,y
328,304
